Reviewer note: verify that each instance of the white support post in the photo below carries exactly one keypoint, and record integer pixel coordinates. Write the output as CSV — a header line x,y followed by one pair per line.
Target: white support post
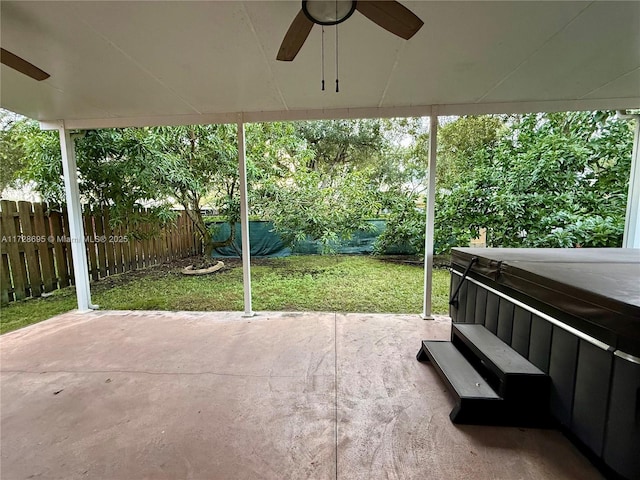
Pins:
x,y
429,228
631,238
244,220
76,229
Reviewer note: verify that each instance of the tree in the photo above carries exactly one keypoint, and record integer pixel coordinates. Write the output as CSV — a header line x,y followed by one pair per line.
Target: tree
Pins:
x,y
405,222
550,180
159,167
202,161
11,152
340,146
530,180
405,193
464,144
308,207
351,172
197,160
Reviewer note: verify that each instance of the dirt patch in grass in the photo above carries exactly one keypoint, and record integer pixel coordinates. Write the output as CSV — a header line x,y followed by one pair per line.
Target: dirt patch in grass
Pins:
x,y
439,261
164,270
413,260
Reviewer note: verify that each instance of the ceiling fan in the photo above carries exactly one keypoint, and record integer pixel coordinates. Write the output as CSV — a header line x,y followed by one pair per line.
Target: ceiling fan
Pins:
x,y
389,14
21,65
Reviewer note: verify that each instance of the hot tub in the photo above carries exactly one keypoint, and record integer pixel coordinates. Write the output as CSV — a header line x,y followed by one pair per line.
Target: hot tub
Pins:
x,y
575,314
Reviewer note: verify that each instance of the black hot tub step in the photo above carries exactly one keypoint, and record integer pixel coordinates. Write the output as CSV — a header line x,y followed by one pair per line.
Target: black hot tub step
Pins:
x,y
508,372
476,401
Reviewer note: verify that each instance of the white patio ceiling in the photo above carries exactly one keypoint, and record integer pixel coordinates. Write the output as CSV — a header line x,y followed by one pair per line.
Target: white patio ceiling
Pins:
x,y
136,63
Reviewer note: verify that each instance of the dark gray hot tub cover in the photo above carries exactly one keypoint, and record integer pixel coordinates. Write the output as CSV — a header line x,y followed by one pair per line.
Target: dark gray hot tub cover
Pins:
x,y
596,289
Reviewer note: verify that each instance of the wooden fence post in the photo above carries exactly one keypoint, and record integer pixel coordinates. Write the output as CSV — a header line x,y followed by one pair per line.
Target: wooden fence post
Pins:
x,y
16,258
89,232
45,248
29,247
66,245
59,246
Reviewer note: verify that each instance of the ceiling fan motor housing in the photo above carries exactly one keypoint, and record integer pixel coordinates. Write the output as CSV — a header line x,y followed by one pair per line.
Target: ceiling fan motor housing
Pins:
x,y
389,14
328,12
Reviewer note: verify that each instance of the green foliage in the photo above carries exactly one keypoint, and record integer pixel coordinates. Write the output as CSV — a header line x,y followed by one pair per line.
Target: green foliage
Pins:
x,y
12,156
317,179
550,180
405,223
41,162
339,177
339,146
531,180
127,168
464,144
118,168
324,212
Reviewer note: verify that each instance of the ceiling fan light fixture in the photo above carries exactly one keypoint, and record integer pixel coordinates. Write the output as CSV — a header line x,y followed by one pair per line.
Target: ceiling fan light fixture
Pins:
x,y
391,15
328,12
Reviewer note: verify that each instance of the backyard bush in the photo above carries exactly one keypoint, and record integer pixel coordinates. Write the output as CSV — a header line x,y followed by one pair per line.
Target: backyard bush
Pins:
x,y
536,180
543,180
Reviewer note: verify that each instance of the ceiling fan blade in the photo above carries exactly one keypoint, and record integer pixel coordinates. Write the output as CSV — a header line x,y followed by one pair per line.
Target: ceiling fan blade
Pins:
x,y
22,66
295,37
392,16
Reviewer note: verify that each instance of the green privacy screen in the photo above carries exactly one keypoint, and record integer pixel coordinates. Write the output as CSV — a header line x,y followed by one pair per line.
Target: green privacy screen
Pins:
x,y
266,242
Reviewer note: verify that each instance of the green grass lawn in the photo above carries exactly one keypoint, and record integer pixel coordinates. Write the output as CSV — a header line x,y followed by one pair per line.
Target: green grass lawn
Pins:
x,y
297,283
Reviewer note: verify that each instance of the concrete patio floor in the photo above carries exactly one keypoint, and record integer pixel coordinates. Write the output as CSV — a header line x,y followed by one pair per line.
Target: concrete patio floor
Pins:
x,y
181,395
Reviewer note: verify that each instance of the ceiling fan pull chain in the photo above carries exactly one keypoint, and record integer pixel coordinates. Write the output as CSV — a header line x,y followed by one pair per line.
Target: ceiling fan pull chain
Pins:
x,y
337,81
322,54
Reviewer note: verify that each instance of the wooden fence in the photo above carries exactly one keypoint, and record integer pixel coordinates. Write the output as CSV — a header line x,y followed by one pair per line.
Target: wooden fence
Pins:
x,y
36,247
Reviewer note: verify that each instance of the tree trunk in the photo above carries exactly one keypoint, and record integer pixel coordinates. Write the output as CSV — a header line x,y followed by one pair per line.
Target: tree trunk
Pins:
x,y
209,245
